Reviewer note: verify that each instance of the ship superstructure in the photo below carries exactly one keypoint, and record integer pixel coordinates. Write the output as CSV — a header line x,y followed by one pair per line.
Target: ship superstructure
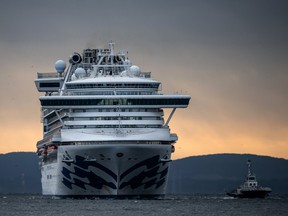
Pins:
x,y
104,132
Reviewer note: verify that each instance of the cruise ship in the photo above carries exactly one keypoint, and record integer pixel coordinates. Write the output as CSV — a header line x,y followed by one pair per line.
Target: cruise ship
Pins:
x,y
104,132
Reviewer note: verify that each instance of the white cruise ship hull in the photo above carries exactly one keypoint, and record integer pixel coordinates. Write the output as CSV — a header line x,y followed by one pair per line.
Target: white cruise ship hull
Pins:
x,y
107,170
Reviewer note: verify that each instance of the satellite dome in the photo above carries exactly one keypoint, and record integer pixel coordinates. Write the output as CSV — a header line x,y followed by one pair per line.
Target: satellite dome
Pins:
x,y
80,72
73,77
135,70
123,73
60,66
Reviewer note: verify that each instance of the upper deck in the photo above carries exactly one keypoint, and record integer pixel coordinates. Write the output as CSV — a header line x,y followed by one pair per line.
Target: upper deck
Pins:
x,y
101,77
93,66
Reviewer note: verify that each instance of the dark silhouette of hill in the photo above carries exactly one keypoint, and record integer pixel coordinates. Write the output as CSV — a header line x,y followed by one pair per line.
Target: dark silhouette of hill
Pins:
x,y
20,173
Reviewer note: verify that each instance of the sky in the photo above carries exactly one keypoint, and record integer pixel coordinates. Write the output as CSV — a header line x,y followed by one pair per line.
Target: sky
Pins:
x,y
231,56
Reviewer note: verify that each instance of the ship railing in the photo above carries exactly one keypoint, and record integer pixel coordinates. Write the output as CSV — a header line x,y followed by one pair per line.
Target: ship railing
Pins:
x,y
49,111
53,130
57,75
145,74
46,111
54,126
48,75
55,118
97,92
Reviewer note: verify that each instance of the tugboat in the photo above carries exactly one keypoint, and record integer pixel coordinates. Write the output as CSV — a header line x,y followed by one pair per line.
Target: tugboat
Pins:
x,y
250,188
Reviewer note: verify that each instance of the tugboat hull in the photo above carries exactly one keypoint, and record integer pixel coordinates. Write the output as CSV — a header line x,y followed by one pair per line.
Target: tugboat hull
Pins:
x,y
257,193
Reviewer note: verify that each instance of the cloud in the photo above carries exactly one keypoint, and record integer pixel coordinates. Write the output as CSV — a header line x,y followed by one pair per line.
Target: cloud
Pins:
x,y
230,56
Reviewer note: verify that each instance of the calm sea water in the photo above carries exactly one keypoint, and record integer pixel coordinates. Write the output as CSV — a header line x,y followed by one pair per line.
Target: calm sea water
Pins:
x,y
36,205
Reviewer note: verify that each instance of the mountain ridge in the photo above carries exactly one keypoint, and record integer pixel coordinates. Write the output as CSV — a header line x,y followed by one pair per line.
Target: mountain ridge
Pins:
x,y
213,173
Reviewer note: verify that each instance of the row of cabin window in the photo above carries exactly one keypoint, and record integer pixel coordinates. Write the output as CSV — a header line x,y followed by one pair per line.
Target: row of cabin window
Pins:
x,y
46,111
113,85
56,125
104,118
97,92
112,126
47,129
63,111
114,118
116,101
118,110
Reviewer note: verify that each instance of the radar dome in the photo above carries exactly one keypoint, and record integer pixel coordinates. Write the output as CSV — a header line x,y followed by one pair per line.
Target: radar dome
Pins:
x,y
60,66
80,72
123,73
135,70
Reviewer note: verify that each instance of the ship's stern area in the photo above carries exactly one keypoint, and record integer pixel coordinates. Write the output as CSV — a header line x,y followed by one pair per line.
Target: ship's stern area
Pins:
x,y
111,170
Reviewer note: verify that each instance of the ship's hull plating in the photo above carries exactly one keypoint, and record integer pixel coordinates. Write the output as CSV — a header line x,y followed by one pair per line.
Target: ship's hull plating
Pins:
x,y
107,170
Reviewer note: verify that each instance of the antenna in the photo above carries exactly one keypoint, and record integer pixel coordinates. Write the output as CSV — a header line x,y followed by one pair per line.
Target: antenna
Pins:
x,y
111,47
249,164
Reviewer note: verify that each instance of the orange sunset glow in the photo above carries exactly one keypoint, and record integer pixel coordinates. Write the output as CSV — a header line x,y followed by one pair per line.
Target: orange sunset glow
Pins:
x,y
231,59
